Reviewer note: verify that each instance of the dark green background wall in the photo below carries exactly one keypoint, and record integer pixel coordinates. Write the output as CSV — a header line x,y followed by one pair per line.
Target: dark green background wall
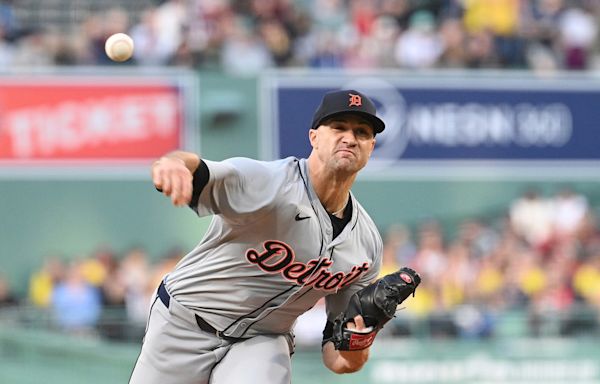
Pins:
x,y
411,202
33,356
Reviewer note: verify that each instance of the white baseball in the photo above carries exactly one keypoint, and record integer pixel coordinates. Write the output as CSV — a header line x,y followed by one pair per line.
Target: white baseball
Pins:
x,y
119,47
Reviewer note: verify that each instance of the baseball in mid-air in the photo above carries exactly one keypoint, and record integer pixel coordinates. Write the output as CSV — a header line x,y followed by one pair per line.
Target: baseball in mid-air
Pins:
x,y
119,47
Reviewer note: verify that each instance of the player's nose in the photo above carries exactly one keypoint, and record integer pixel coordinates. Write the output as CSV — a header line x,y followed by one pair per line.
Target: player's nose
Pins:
x,y
349,137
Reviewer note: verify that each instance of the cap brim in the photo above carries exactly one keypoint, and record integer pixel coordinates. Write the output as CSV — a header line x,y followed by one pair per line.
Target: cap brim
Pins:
x,y
377,124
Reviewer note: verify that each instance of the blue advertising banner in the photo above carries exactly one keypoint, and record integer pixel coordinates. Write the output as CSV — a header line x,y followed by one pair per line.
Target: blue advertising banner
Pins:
x,y
452,118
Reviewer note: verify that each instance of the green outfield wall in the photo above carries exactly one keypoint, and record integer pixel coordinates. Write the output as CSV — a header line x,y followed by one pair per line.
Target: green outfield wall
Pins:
x,y
32,357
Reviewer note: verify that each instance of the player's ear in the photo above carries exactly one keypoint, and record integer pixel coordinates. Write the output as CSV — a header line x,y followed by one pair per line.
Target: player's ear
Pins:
x,y
313,137
372,145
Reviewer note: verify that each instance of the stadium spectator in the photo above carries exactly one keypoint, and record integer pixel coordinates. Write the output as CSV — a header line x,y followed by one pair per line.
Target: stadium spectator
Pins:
x,y
7,297
578,31
570,209
431,259
76,304
43,281
134,272
531,217
419,46
145,34
586,279
243,52
399,247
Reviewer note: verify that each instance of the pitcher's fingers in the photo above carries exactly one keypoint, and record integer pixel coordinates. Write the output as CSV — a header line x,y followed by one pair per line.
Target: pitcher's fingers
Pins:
x,y
166,184
360,322
186,190
182,199
176,189
156,180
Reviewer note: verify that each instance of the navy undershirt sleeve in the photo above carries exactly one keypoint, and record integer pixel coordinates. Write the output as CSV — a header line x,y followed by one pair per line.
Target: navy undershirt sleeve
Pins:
x,y
201,177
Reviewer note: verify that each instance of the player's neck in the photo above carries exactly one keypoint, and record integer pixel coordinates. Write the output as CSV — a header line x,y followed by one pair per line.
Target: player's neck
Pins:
x,y
332,189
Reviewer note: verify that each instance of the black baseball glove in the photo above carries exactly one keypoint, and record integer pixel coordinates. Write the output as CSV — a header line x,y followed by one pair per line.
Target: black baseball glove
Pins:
x,y
377,304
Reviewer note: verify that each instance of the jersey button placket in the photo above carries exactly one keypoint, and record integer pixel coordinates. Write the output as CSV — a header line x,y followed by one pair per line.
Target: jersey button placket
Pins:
x,y
329,234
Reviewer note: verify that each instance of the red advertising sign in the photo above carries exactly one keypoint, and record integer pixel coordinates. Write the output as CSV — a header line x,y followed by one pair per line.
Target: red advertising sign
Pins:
x,y
91,122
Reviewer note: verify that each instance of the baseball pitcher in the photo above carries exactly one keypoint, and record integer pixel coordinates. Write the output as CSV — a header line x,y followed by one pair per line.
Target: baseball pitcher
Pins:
x,y
284,234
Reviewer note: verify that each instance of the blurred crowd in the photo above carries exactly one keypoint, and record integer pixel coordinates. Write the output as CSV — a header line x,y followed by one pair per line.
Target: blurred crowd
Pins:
x,y
103,294
540,260
244,37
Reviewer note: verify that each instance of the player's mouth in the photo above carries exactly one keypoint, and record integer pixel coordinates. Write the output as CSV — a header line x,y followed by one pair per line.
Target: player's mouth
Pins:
x,y
346,152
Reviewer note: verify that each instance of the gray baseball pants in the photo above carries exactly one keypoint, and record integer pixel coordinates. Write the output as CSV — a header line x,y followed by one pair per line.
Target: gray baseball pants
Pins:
x,y
176,351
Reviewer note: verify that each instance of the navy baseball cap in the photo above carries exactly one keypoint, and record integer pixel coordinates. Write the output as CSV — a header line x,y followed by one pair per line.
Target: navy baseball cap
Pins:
x,y
347,101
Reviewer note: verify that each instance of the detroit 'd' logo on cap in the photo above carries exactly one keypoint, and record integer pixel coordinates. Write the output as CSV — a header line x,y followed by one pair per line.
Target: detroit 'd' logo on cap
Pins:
x,y
355,100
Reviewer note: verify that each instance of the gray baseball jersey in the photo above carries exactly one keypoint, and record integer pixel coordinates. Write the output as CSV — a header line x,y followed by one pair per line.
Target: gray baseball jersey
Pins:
x,y
269,254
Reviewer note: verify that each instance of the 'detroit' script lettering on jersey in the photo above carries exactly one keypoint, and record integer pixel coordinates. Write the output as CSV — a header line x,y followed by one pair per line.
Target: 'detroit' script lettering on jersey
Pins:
x,y
278,257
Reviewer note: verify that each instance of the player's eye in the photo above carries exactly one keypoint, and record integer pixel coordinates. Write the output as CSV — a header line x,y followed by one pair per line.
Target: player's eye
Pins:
x,y
364,133
338,126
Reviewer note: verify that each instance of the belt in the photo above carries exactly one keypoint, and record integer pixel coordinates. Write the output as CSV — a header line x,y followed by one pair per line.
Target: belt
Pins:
x,y
166,300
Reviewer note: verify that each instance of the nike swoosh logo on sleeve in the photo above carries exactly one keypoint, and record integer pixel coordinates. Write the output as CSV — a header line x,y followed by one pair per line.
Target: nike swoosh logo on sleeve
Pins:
x,y
299,218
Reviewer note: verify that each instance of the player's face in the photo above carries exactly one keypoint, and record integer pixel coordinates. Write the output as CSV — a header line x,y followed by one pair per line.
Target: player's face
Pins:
x,y
344,143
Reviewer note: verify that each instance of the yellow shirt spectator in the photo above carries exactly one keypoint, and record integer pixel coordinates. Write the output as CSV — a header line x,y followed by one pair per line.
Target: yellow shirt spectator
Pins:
x,y
40,289
93,271
532,281
586,282
489,281
500,16
423,303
